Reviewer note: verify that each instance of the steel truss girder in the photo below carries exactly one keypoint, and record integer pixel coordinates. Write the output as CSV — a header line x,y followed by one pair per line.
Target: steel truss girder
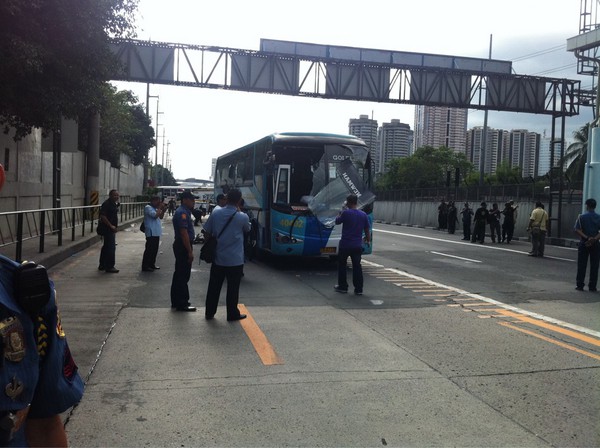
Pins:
x,y
287,74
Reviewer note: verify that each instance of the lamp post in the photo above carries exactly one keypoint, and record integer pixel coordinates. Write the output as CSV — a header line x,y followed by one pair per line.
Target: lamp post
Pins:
x,y
156,147
146,158
162,171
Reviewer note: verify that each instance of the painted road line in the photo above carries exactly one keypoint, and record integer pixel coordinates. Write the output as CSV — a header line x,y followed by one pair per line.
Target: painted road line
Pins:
x,y
261,344
455,256
552,341
496,303
474,304
430,290
467,244
557,329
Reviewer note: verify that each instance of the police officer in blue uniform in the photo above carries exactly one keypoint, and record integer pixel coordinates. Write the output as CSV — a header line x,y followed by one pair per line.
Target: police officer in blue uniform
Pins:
x,y
38,377
183,226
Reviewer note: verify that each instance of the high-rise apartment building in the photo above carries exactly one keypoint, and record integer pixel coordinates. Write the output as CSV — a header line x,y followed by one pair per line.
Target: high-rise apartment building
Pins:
x,y
496,141
523,151
545,155
366,129
441,126
395,140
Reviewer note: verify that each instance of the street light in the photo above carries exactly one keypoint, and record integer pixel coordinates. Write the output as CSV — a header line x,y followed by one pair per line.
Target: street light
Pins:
x,y
146,162
162,171
156,147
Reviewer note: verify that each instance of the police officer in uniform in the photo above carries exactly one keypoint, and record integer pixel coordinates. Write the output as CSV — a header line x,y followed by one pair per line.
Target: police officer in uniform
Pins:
x,y
38,377
183,227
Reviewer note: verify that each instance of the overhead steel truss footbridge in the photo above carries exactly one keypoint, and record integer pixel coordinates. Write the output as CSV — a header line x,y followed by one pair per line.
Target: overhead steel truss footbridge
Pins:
x,y
358,74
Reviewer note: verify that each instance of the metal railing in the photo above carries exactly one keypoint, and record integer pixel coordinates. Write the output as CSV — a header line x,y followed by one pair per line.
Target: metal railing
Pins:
x,y
19,227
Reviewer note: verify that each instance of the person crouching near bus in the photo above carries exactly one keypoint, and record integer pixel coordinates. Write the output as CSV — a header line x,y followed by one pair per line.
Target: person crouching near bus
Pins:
x,y
228,224
354,223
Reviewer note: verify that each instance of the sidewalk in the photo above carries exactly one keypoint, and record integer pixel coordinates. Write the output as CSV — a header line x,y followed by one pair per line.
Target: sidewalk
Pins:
x,y
155,377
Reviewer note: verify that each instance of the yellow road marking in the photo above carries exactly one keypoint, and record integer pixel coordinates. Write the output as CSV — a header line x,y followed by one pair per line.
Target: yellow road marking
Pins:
x,y
475,304
261,344
552,341
557,329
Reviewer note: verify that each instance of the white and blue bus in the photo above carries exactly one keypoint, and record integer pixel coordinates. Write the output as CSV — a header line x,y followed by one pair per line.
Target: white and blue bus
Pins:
x,y
294,185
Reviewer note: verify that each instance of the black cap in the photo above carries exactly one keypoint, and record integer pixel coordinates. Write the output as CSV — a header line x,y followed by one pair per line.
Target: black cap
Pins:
x,y
187,195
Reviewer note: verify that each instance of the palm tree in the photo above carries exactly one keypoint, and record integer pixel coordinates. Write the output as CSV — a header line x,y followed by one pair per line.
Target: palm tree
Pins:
x,y
576,155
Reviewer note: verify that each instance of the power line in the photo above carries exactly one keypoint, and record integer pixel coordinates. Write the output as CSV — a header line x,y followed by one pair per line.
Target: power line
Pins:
x,y
540,53
556,69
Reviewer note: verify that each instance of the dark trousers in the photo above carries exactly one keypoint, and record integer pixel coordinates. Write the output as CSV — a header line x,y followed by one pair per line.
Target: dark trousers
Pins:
x,y
583,253
479,231
495,231
357,274
508,228
107,253
451,226
538,243
150,252
467,230
180,294
218,274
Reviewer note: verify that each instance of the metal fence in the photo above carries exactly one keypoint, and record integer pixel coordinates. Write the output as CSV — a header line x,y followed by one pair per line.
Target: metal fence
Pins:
x,y
22,226
490,193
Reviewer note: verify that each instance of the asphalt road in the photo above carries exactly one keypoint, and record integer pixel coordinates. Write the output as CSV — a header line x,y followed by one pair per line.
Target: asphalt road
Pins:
x,y
452,344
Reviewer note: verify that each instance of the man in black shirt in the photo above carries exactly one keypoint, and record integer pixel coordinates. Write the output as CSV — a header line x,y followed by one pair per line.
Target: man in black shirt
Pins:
x,y
480,220
107,227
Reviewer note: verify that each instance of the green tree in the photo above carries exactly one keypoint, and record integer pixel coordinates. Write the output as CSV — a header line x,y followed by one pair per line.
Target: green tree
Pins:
x,y
576,154
505,174
427,167
162,176
124,127
56,58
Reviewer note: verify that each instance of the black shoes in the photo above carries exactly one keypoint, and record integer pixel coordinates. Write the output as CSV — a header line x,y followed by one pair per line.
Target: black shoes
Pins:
x,y
150,268
111,271
186,308
233,319
100,268
338,288
579,288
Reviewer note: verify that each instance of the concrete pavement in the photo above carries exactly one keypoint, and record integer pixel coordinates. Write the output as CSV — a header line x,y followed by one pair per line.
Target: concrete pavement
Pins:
x,y
161,378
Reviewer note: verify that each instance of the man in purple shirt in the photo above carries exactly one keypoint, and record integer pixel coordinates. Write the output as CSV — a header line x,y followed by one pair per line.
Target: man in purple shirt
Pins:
x,y
355,222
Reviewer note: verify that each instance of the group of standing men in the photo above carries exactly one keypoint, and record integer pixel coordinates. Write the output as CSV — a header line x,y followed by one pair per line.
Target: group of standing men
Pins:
x,y
226,222
480,218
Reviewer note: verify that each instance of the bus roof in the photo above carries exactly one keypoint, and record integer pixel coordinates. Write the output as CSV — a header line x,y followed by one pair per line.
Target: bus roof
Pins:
x,y
304,137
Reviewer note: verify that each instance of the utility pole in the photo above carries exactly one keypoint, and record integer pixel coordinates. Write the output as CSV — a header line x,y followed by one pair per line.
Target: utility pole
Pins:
x,y
484,136
146,158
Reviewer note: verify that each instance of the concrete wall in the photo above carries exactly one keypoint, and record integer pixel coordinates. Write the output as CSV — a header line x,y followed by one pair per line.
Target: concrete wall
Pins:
x,y
425,214
28,165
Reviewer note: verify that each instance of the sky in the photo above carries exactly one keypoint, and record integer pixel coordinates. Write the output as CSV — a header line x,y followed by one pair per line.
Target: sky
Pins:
x,y
201,124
